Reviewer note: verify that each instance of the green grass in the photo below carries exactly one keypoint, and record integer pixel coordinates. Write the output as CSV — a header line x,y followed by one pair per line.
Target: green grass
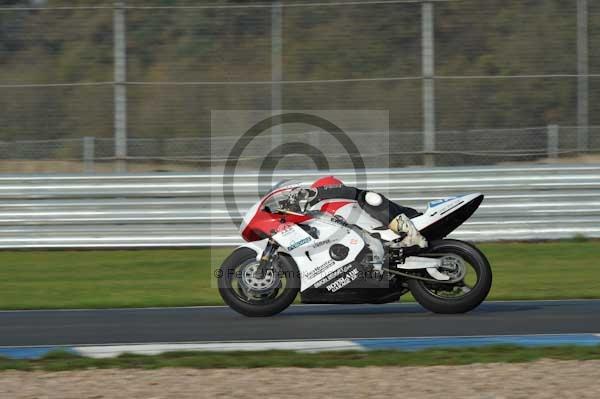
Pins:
x,y
98,279
203,360
95,279
550,270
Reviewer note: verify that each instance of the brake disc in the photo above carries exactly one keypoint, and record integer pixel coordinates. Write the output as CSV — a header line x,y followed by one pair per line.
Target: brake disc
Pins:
x,y
252,283
453,266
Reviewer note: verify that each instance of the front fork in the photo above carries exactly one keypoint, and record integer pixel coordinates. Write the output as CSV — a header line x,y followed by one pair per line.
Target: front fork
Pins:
x,y
266,259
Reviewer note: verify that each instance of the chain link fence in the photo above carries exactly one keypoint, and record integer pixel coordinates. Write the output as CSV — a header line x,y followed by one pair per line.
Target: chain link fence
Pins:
x,y
549,144
498,69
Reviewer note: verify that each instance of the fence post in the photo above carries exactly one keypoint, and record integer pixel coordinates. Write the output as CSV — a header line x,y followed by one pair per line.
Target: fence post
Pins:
x,y
428,72
88,154
120,89
552,142
276,69
582,76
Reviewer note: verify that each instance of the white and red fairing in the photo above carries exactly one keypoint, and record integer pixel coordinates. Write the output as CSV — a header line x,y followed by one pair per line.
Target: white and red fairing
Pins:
x,y
258,223
312,255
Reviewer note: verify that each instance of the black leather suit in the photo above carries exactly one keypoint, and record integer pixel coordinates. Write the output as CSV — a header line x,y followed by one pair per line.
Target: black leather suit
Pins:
x,y
384,213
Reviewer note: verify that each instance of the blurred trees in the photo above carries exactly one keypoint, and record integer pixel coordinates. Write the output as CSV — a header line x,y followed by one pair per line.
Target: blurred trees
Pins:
x,y
521,37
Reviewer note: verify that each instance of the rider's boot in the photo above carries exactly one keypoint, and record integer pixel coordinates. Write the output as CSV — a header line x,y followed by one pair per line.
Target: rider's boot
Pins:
x,y
402,225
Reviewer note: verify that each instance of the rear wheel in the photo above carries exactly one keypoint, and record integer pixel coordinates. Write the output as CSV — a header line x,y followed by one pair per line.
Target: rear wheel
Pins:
x,y
250,294
460,261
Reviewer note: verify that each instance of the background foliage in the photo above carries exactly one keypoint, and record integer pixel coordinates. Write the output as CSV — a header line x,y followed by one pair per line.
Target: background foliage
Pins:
x,y
519,37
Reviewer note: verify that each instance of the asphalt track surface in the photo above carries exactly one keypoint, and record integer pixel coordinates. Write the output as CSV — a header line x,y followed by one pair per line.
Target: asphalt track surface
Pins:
x,y
205,324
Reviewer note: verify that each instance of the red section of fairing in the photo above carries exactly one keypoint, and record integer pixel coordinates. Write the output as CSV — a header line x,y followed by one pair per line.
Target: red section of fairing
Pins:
x,y
265,224
333,207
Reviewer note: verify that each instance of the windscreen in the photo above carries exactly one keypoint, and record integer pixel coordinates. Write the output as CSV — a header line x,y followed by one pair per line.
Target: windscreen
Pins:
x,y
279,194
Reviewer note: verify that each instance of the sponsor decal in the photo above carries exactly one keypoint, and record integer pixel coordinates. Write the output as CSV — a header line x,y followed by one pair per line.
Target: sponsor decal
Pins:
x,y
333,275
319,244
343,281
284,227
338,220
320,269
433,204
299,243
353,241
450,207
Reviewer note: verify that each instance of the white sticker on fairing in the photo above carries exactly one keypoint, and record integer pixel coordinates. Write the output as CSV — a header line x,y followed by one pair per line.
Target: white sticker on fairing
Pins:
x,y
312,255
322,243
433,204
292,237
299,243
319,270
332,276
343,281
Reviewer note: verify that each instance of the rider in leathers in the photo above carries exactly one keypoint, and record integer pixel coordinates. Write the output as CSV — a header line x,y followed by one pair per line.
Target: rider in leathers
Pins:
x,y
396,217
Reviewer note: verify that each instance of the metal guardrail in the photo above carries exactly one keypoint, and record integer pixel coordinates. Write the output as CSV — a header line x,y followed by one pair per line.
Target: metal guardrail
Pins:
x,y
188,210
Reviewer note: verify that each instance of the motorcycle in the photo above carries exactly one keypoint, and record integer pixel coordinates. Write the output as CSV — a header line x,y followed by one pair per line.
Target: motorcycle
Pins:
x,y
332,251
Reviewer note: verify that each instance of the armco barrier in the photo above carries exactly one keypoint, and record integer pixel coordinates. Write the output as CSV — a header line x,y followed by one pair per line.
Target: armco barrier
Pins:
x,y
175,210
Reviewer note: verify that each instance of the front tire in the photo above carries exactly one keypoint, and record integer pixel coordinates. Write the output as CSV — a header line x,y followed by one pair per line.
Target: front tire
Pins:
x,y
259,300
425,293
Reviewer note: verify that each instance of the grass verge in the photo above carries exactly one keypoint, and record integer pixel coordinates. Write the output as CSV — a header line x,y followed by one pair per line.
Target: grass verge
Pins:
x,y
142,278
205,360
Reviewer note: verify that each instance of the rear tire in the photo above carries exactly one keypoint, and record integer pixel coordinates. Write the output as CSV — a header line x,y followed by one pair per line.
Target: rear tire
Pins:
x,y
270,305
470,300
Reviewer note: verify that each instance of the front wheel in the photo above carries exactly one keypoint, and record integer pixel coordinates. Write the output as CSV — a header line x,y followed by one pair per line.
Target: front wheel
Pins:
x,y
462,261
250,294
